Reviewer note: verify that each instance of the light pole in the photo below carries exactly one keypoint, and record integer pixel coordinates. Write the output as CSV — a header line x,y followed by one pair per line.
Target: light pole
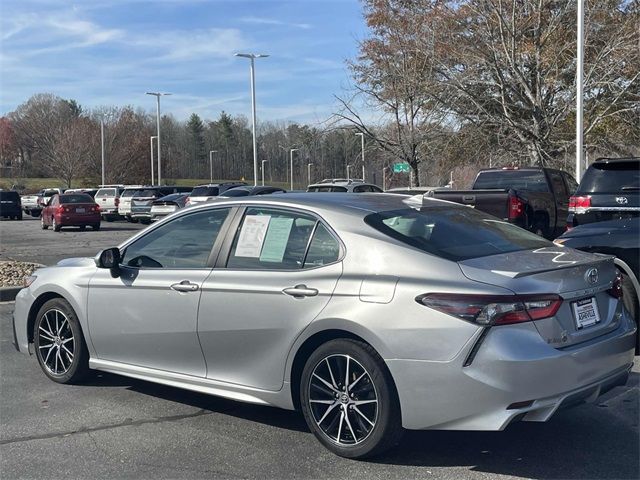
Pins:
x,y
309,173
211,152
349,172
158,95
384,179
291,160
262,169
252,57
152,172
579,73
102,145
362,140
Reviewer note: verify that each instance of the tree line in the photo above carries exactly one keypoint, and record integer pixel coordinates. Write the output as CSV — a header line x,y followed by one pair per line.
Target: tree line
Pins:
x,y
447,86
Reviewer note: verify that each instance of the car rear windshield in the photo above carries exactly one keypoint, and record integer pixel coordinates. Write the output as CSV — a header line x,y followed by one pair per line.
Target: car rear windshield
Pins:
x,y
611,177
106,192
327,189
205,192
236,192
128,192
150,192
76,198
9,196
526,180
454,233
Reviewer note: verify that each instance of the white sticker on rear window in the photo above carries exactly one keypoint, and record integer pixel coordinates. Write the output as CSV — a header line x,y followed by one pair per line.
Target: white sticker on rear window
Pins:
x,y
252,235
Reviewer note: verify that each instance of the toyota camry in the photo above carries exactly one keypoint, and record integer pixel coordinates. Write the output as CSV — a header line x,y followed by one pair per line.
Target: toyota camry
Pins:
x,y
370,313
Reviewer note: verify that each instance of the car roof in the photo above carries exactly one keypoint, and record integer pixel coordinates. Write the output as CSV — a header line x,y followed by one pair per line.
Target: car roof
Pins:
x,y
616,160
334,201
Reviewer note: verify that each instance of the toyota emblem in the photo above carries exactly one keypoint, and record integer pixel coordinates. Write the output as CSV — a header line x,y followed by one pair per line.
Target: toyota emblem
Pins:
x,y
622,200
591,276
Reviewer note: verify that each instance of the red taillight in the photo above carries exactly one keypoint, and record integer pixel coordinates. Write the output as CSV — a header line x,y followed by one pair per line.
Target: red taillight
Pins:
x,y
579,204
516,207
493,309
616,288
60,209
95,208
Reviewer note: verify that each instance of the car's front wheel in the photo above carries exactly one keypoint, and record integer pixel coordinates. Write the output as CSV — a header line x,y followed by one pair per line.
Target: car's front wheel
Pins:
x,y
43,225
349,401
59,343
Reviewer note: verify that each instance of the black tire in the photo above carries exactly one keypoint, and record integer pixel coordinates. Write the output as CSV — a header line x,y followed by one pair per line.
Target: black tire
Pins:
x,y
96,227
68,338
386,430
630,300
541,227
108,218
42,224
83,227
19,217
145,221
132,220
54,224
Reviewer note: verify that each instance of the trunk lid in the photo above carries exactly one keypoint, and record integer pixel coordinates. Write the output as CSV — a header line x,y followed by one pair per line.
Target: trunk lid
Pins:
x,y
556,270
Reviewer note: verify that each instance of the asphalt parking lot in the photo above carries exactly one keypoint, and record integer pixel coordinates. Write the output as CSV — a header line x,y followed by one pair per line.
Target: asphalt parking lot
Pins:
x,y
115,427
26,241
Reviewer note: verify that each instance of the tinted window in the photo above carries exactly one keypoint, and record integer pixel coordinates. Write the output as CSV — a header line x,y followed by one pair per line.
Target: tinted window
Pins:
x,y
532,181
106,192
184,242
128,193
271,239
146,193
572,185
204,192
454,233
324,248
557,183
9,196
236,192
76,198
613,177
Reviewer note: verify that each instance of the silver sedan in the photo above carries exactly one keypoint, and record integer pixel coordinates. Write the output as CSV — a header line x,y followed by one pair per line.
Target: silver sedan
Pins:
x,y
370,313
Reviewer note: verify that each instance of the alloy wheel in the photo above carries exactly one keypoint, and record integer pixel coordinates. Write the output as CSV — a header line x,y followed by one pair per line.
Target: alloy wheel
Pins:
x,y
56,343
343,400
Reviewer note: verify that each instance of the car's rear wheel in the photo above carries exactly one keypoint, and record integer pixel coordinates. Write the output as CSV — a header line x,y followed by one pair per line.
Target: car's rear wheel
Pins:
x,y
349,400
96,227
59,343
55,226
42,224
109,218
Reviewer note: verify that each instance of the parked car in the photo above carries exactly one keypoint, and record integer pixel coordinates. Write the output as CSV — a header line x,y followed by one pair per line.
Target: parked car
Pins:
x,y
124,207
73,210
620,238
89,191
204,193
10,205
143,199
536,199
247,191
33,204
351,186
167,205
321,302
108,198
609,189
414,190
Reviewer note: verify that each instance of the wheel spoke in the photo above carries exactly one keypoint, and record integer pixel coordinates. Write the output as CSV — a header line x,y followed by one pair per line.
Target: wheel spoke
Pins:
x,y
364,402
353,384
346,374
69,352
325,402
46,335
340,426
333,380
49,353
357,410
67,340
46,346
353,434
57,355
327,412
46,317
327,384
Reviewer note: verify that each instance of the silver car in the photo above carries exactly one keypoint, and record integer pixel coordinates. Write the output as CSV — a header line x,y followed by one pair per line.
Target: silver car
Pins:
x,y
367,312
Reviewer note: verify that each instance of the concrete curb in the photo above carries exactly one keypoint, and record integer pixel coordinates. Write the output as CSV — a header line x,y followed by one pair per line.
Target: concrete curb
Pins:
x,y
8,294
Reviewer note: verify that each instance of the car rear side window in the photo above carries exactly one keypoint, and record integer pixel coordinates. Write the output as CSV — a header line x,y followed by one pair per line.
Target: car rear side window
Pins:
x,y
530,180
205,192
127,193
611,177
184,242
323,250
271,239
454,233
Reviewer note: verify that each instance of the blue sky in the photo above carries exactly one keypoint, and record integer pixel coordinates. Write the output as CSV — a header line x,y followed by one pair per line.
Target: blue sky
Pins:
x,y
109,52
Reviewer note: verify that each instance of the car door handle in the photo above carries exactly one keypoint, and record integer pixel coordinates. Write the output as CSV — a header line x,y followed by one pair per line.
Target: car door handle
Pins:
x,y
300,291
185,286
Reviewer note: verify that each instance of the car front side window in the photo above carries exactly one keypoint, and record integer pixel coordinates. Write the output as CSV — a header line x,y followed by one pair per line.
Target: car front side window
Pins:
x,y
182,243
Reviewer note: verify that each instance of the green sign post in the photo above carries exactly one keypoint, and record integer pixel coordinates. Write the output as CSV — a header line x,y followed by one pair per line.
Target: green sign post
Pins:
x,y
401,167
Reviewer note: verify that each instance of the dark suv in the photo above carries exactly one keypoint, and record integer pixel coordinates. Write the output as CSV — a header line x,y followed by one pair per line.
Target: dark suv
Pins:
x,y
10,205
609,190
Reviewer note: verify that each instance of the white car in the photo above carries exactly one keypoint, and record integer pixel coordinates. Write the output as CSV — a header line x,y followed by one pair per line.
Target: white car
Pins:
x,y
108,199
204,193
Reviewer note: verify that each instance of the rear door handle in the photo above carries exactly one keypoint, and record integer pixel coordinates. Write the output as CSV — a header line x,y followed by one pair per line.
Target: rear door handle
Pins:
x,y
300,291
185,286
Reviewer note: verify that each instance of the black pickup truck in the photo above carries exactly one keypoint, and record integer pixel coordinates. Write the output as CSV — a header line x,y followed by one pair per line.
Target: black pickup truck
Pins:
x,y
609,190
533,198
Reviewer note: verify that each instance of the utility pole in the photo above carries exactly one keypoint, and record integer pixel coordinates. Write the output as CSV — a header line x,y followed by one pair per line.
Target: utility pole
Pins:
x,y
362,144
291,162
579,86
309,173
102,146
152,172
158,95
263,162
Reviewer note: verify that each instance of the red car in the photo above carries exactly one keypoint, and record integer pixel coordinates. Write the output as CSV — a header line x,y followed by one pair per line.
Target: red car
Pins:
x,y
72,210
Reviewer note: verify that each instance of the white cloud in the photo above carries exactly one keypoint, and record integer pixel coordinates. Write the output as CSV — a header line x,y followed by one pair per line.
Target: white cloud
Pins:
x,y
274,22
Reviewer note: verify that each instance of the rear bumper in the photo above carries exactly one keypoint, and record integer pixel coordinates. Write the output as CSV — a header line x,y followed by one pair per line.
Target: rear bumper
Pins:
x,y
513,365
73,220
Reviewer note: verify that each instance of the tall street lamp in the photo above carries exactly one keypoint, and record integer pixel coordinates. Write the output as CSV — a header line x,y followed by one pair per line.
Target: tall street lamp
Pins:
x,y
158,95
291,160
362,140
579,86
151,138
211,152
252,57
102,145
349,172
262,169
309,173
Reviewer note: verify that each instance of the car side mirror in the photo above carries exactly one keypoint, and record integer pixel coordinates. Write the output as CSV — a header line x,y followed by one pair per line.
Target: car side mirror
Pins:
x,y
109,258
